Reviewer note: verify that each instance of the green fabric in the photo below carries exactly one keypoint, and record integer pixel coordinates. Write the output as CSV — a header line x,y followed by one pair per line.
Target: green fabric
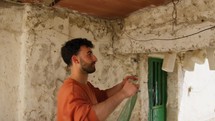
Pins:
x,y
125,114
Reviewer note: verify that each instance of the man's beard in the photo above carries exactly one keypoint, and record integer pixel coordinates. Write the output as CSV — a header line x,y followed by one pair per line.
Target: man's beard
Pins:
x,y
88,68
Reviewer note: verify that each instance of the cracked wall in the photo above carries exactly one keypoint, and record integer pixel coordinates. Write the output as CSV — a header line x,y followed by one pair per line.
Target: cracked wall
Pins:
x,y
151,29
47,30
39,69
36,33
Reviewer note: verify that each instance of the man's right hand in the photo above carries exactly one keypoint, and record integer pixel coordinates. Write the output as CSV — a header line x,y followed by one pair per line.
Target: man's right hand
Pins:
x,y
130,88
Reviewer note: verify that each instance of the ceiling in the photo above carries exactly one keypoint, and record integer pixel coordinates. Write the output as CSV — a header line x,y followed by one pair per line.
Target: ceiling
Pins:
x,y
109,9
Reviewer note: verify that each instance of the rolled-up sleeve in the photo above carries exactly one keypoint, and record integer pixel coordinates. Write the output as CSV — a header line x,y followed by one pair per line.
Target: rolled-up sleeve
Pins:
x,y
101,95
75,101
79,109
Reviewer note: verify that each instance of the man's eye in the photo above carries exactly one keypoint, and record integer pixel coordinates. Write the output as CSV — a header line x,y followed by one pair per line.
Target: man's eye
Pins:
x,y
90,53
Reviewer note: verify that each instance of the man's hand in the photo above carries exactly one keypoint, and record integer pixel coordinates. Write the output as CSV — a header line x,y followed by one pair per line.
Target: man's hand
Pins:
x,y
129,87
116,95
129,78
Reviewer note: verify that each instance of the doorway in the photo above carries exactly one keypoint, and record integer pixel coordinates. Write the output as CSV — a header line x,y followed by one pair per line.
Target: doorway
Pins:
x,y
157,89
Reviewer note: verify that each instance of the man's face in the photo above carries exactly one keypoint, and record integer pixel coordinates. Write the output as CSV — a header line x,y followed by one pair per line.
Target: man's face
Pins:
x,y
87,59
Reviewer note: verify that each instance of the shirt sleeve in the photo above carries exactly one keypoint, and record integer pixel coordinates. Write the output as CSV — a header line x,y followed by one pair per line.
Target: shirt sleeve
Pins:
x,y
101,95
79,109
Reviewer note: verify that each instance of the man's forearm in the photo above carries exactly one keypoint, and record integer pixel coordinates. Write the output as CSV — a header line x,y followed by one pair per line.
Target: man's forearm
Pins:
x,y
110,92
104,109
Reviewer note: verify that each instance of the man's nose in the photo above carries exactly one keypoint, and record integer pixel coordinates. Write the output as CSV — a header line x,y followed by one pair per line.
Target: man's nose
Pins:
x,y
94,58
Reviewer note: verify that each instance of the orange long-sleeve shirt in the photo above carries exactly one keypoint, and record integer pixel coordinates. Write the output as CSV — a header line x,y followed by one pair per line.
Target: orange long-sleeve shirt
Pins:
x,y
75,100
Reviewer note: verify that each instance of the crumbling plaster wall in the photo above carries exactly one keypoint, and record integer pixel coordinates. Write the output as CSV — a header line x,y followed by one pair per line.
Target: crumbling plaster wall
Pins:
x,y
47,31
156,30
10,60
40,70
151,29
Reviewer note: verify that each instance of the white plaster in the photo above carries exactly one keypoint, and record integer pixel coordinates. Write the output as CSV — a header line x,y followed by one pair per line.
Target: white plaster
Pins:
x,y
151,29
22,70
143,78
197,102
175,81
10,54
35,44
44,68
9,73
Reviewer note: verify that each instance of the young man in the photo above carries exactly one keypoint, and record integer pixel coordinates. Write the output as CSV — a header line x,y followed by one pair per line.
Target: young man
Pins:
x,y
78,99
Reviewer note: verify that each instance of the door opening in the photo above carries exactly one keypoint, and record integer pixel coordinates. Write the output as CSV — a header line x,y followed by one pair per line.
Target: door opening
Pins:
x,y
157,89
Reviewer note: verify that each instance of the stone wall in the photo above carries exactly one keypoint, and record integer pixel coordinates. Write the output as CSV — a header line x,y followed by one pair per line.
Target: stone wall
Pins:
x,y
32,69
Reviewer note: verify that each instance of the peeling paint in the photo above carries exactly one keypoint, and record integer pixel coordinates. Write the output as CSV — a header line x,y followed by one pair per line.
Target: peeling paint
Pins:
x,y
151,25
122,48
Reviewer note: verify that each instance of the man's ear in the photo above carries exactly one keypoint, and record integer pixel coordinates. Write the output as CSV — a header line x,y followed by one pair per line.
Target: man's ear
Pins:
x,y
74,59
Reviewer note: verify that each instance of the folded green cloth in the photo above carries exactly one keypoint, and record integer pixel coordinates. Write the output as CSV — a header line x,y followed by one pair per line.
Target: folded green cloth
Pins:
x,y
125,114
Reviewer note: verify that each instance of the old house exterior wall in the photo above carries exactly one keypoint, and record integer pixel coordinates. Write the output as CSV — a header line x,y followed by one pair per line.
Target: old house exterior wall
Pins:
x,y
10,60
39,69
30,85
156,29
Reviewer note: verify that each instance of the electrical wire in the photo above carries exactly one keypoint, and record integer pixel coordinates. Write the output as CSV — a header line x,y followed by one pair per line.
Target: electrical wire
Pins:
x,y
168,39
174,17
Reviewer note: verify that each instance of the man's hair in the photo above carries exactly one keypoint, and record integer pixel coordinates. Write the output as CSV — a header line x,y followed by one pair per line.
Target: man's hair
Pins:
x,y
72,47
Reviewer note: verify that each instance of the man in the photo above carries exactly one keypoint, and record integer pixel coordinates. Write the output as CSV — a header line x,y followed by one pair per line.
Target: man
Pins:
x,y
78,99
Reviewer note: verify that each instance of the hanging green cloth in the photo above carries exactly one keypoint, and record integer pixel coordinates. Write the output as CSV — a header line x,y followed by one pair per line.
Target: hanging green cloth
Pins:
x,y
125,114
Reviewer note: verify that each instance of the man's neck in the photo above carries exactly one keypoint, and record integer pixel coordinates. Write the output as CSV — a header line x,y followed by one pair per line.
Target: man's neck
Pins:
x,y
81,78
